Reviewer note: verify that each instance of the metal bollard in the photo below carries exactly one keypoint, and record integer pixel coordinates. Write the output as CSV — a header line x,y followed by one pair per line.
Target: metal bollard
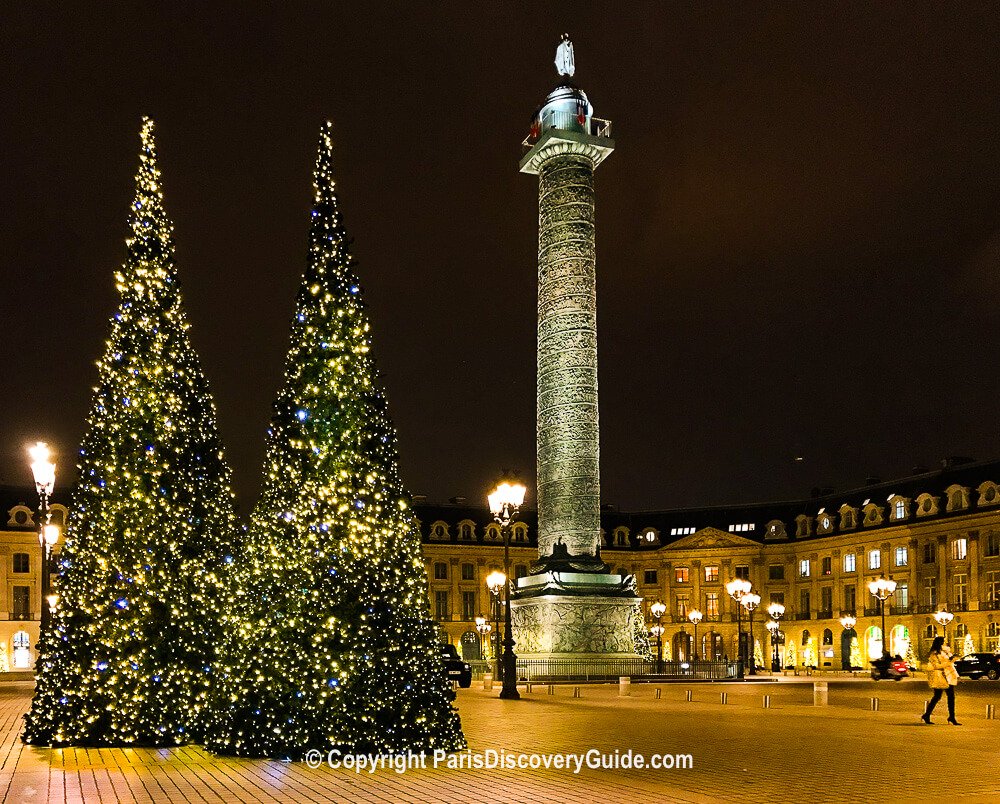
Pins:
x,y
874,704
657,695
991,712
688,694
624,686
767,701
487,681
552,689
576,692
821,693
723,697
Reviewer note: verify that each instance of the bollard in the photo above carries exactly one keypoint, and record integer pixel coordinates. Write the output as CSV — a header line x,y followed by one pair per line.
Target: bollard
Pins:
x,y
576,692
624,686
657,695
874,704
821,693
723,697
552,689
991,712
487,681
527,687
688,694
767,701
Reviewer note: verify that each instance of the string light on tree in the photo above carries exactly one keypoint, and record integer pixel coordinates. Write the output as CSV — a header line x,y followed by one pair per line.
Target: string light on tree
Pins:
x,y
329,639
128,658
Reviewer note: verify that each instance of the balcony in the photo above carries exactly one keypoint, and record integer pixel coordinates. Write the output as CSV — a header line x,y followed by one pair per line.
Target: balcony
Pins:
x,y
824,615
989,605
566,121
875,612
802,615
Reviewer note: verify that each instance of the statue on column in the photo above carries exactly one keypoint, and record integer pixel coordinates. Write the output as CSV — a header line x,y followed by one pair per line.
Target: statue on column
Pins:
x,y
565,63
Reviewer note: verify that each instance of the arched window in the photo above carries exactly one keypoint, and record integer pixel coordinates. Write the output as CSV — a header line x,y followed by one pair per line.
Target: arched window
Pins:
x,y
21,642
439,531
805,638
466,530
988,493
827,636
493,532
621,536
520,532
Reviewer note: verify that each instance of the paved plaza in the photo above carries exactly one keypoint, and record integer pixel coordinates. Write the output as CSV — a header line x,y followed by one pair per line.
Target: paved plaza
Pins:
x,y
741,751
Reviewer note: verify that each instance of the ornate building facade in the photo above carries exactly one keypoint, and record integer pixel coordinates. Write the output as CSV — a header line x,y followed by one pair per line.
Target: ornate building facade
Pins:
x,y
937,534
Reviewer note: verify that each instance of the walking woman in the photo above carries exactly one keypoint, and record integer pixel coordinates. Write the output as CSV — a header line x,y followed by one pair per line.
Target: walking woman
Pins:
x,y
942,677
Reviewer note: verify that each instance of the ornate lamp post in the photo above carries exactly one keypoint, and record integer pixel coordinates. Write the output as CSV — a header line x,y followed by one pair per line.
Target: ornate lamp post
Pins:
x,y
882,588
695,617
736,588
505,504
776,611
44,472
658,609
483,627
943,618
750,601
495,581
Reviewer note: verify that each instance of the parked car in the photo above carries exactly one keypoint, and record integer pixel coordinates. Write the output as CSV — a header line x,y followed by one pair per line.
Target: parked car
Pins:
x,y
456,669
886,667
977,665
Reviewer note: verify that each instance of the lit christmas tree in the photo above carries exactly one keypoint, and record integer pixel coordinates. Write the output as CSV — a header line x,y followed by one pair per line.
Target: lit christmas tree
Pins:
x,y
856,658
128,657
968,645
330,641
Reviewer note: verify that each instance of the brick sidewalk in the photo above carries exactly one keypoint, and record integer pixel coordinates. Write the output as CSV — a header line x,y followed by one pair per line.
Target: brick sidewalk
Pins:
x,y
791,752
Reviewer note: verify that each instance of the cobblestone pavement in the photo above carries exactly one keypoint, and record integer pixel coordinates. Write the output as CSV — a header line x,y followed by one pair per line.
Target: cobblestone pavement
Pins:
x,y
790,752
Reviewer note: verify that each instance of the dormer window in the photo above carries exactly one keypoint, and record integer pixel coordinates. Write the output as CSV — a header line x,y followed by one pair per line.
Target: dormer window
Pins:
x,y
466,530
439,531
927,505
520,531
803,525
988,493
824,523
621,536
848,517
958,498
899,508
873,515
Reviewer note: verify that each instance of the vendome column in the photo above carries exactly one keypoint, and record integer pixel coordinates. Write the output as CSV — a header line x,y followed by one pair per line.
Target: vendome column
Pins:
x,y
570,605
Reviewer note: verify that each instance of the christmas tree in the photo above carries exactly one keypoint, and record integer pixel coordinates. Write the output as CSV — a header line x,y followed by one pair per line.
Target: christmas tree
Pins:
x,y
331,643
968,645
128,657
856,659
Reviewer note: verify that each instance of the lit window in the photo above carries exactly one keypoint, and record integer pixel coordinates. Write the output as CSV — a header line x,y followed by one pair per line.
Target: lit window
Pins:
x,y
744,527
681,574
874,559
902,556
804,568
900,509
827,565
850,562
711,574
959,548
712,605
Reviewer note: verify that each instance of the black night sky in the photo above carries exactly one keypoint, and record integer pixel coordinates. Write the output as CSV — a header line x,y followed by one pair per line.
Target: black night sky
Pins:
x,y
798,234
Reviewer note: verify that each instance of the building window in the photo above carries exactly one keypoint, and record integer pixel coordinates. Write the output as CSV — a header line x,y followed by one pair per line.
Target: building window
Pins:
x,y
22,603
21,643
520,570
468,572
903,596
682,606
441,606
804,568
804,601
930,632
681,574
440,571
778,597
712,605
465,532
930,591
827,636
742,571
776,572
826,600
21,562
874,559
991,547
930,554
993,587
711,574
649,577
900,512
902,556
959,548
960,588
850,598
961,629
468,606
993,637
687,531
743,527
827,565
850,562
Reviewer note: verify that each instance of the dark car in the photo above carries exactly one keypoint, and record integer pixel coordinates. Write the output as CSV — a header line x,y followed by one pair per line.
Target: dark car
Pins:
x,y
457,669
891,667
977,665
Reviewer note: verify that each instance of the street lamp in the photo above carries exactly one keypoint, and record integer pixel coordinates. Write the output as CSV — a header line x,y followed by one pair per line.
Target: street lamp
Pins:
x,y
495,582
483,627
847,622
658,609
772,626
736,588
505,504
695,617
776,612
882,588
943,618
44,472
750,601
